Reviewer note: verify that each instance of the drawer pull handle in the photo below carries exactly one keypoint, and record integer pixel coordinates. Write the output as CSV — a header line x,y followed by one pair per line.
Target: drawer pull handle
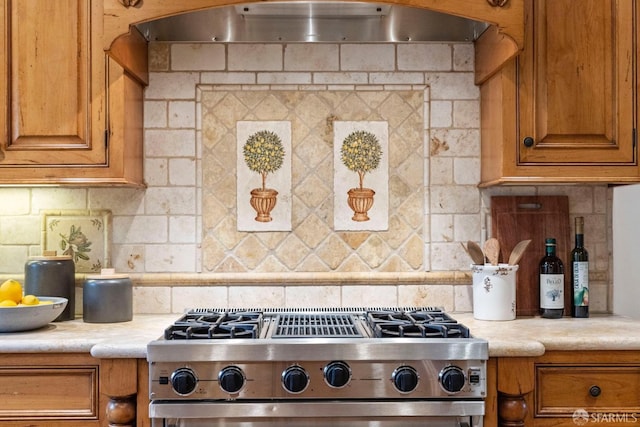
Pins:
x,y
595,391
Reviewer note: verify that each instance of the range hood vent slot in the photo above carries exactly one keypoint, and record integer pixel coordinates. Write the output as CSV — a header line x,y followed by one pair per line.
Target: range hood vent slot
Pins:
x,y
312,10
317,21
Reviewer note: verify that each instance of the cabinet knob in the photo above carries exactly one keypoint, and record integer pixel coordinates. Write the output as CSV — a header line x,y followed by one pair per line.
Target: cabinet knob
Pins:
x,y
528,141
595,391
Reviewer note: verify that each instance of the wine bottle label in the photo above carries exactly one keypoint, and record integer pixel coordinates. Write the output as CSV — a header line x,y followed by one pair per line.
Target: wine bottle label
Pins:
x,y
552,291
580,283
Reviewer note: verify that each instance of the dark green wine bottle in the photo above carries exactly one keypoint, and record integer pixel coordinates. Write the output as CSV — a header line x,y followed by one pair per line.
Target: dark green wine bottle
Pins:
x,y
551,282
579,274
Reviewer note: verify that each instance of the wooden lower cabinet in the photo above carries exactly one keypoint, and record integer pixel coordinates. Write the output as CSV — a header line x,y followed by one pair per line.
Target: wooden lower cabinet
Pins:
x,y
565,388
70,389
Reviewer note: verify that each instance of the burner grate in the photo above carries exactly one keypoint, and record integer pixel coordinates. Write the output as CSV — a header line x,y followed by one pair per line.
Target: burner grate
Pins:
x,y
422,323
325,325
208,324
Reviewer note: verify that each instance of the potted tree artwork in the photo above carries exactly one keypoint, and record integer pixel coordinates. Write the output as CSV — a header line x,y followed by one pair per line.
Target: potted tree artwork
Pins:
x,y
264,154
361,152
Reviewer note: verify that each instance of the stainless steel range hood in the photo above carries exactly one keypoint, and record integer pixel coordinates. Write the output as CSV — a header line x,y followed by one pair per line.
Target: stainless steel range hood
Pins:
x,y
315,21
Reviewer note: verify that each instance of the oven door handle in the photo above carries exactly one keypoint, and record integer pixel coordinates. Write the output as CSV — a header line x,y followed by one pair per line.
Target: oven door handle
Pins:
x,y
173,422
316,409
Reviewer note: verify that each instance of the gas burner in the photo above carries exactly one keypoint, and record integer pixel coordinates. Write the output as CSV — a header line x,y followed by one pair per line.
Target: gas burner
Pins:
x,y
387,316
411,330
431,323
190,319
235,330
430,317
204,324
398,330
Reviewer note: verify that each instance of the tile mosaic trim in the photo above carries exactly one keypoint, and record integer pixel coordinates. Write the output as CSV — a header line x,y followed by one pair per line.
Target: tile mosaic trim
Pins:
x,y
83,234
264,175
361,165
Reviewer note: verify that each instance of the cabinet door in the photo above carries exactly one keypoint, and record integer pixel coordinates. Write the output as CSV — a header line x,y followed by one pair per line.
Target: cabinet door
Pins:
x,y
576,83
50,390
47,89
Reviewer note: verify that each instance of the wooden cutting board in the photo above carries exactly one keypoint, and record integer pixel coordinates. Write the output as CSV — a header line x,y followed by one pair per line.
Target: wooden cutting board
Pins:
x,y
516,218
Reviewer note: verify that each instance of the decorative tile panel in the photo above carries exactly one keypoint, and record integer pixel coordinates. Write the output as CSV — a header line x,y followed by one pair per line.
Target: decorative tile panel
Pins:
x,y
313,243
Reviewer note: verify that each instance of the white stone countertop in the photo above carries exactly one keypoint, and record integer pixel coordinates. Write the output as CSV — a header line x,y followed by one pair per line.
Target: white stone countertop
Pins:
x,y
522,337
532,336
102,340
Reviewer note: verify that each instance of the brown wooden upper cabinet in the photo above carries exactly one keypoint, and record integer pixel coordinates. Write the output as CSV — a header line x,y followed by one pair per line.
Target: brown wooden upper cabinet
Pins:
x,y
564,109
54,79
72,74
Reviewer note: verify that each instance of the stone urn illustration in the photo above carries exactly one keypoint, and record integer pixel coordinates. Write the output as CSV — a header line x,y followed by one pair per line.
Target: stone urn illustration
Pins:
x,y
264,154
361,152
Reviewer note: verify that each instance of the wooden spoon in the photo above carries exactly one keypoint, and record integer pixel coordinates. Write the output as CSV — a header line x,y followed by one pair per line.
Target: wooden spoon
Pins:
x,y
492,250
475,252
518,251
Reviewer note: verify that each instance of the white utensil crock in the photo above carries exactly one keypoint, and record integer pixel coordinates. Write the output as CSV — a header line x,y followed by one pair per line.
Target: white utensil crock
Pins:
x,y
494,291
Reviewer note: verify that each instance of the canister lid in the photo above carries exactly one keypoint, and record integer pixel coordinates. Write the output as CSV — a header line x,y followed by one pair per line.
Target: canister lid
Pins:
x,y
105,274
50,256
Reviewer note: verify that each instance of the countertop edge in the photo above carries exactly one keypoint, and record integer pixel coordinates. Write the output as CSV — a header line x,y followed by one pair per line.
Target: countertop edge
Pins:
x,y
525,348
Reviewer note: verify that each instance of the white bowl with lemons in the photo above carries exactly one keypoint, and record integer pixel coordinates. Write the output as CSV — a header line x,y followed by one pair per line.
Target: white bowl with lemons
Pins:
x,y
24,313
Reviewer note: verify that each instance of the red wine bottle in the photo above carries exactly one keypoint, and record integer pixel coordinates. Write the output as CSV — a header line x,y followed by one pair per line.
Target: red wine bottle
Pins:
x,y
551,282
579,274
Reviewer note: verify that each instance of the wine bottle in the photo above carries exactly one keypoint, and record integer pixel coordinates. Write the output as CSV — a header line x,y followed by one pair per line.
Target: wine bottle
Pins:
x,y
579,274
551,282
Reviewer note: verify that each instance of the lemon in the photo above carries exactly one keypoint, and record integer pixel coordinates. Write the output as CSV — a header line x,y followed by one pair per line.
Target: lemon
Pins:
x,y
8,303
11,290
30,300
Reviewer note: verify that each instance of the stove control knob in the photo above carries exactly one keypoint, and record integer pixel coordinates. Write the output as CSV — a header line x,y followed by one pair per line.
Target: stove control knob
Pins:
x,y
184,381
231,379
452,379
337,374
295,379
405,379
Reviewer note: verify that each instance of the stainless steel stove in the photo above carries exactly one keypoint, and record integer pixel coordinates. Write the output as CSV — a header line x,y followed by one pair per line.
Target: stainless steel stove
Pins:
x,y
398,366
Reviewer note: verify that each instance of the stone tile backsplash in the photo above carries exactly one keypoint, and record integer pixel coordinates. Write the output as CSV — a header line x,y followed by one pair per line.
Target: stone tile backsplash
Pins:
x,y
177,238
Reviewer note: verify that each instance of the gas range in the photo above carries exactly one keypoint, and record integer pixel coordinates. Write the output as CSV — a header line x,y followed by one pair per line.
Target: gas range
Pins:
x,y
265,357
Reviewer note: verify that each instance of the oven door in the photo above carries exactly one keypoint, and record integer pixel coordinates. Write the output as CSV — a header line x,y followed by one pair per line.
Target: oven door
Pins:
x,y
401,413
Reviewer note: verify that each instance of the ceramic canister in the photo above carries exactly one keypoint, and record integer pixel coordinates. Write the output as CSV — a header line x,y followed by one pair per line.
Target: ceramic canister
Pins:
x,y
107,298
52,276
494,291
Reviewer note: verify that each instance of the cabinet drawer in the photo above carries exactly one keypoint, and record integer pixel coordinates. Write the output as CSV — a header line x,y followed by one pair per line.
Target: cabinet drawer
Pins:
x,y
49,393
560,390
